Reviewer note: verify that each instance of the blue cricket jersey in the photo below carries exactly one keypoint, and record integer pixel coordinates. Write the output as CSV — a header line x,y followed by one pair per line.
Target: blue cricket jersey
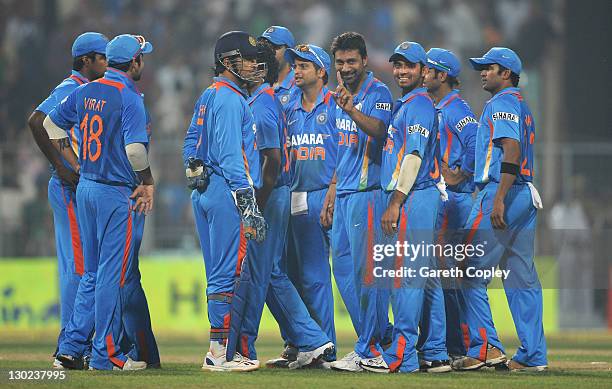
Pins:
x,y
111,114
505,115
314,142
414,129
222,134
458,127
271,127
286,89
65,88
359,155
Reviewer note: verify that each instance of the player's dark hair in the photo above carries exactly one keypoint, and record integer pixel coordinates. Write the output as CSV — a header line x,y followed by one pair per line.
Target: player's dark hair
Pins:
x,y
265,54
514,78
124,66
79,62
453,82
349,41
325,77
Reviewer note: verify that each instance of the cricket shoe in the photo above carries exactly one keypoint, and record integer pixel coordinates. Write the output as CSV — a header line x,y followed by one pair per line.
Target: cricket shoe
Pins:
x,y
350,362
239,363
495,356
72,363
288,355
515,366
437,366
306,358
131,365
57,364
376,365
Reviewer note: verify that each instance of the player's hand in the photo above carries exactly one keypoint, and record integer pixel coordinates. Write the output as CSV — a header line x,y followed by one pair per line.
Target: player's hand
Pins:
x,y
342,96
497,216
68,176
253,223
390,219
327,212
197,175
143,194
451,176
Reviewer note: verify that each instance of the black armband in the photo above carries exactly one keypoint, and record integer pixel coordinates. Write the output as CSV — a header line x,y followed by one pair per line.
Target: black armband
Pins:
x,y
510,168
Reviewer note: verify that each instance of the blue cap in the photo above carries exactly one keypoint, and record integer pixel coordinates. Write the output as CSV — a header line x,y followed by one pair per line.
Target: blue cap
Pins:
x,y
410,51
501,56
444,60
311,53
279,35
124,48
89,42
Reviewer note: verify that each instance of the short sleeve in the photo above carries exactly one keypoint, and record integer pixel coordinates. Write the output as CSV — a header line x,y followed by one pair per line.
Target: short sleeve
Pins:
x,y
134,120
379,104
62,91
65,115
419,122
267,120
505,117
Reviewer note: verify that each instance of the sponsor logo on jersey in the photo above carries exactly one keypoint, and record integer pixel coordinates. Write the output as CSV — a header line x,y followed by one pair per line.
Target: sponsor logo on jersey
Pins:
x,y
346,125
463,122
506,116
358,106
384,106
322,118
417,128
308,139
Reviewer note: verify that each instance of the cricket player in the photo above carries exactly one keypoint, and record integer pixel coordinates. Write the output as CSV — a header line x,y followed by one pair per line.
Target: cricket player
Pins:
x,y
89,63
115,189
457,128
354,199
265,261
314,144
504,216
223,169
409,176
281,39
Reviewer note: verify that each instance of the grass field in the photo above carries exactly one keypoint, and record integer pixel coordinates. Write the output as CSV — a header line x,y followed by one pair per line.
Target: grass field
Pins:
x,y
575,360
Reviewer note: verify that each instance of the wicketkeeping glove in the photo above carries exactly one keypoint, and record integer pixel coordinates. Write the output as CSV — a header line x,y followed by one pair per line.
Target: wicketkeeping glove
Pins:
x,y
197,175
253,223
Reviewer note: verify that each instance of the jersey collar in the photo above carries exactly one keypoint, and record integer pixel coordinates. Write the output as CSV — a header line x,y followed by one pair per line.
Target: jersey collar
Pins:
x,y
321,98
122,77
257,92
287,83
505,91
447,99
367,83
412,93
78,75
230,83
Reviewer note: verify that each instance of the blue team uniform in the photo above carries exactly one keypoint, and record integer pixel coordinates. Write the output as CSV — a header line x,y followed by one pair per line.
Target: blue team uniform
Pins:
x,y
222,135
266,259
418,300
314,147
505,115
286,89
63,203
357,212
457,129
112,114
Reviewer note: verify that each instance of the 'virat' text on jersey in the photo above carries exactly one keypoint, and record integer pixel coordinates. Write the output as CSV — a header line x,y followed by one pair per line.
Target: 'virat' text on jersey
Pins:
x,y
111,114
